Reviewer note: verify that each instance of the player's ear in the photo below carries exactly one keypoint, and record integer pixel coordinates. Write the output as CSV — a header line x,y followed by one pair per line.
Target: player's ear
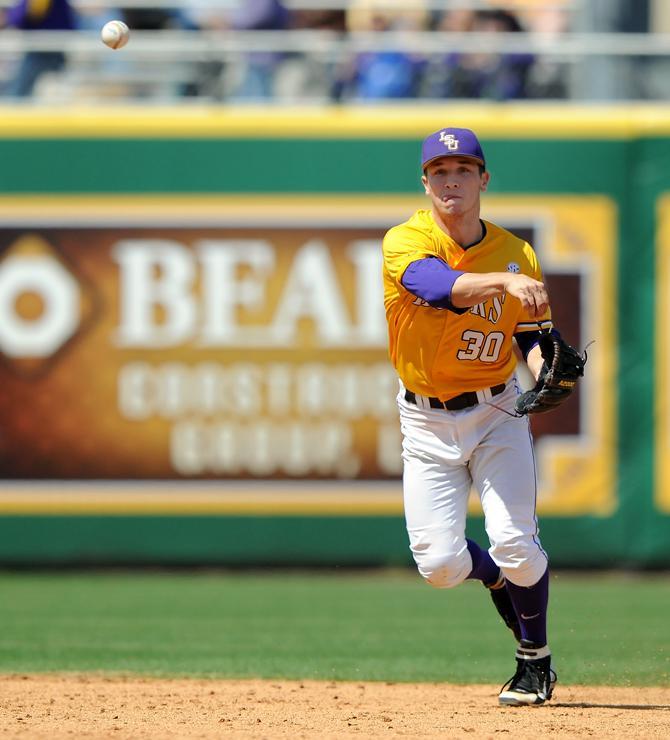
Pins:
x,y
424,182
486,177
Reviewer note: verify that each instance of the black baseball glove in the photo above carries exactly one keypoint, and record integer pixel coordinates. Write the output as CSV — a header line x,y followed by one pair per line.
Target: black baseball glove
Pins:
x,y
562,368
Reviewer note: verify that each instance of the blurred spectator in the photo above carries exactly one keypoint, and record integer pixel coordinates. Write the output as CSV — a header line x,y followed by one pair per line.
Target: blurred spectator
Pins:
x,y
382,75
399,14
481,74
38,15
455,21
320,20
257,80
310,75
542,16
549,75
152,18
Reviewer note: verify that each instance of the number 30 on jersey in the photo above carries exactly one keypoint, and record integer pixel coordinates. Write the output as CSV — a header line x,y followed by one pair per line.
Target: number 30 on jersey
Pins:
x,y
480,346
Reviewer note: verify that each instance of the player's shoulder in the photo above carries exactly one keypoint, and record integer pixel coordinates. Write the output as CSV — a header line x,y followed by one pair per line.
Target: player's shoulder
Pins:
x,y
420,222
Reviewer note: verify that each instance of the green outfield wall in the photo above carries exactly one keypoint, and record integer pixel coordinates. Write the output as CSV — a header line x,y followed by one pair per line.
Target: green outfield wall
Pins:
x,y
96,469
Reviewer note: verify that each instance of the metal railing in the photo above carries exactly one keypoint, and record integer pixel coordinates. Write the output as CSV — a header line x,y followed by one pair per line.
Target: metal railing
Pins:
x,y
190,45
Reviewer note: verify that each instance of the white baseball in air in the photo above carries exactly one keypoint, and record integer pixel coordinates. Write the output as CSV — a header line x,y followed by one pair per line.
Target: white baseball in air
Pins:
x,y
115,34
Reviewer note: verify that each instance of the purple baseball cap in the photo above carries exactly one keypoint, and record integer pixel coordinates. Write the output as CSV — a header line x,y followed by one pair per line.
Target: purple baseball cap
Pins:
x,y
451,142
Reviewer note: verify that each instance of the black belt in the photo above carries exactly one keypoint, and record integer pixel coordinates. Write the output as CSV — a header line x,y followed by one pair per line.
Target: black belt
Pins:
x,y
457,403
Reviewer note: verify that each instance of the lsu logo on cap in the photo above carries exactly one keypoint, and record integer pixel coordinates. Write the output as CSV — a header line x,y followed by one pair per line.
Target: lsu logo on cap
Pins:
x,y
449,140
460,142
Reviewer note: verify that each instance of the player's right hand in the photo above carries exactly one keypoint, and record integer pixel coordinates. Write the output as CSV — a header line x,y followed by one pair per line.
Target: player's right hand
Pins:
x,y
532,294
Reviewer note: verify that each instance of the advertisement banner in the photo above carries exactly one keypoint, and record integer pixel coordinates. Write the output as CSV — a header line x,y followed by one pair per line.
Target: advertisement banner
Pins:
x,y
184,339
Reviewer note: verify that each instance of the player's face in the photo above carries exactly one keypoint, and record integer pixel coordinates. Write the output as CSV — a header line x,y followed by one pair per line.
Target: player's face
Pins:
x,y
454,185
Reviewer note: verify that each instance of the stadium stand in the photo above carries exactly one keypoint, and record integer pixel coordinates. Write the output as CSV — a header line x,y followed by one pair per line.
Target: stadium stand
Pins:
x,y
325,51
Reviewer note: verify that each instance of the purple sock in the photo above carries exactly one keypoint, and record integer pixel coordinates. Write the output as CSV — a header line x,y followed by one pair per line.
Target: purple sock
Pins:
x,y
530,605
483,567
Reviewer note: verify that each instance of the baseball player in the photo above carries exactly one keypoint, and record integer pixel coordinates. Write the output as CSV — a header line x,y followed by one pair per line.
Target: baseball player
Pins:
x,y
457,291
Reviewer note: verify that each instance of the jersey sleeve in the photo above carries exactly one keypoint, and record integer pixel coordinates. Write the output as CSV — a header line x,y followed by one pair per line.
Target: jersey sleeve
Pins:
x,y
403,245
527,322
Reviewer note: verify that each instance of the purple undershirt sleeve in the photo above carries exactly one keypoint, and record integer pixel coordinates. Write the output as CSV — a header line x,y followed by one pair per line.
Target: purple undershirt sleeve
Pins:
x,y
432,280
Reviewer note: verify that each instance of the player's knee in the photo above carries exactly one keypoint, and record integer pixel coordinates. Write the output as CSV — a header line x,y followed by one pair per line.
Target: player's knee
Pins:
x,y
445,569
522,561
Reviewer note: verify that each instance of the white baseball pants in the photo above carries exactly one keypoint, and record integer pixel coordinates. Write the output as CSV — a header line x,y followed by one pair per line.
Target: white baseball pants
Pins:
x,y
446,453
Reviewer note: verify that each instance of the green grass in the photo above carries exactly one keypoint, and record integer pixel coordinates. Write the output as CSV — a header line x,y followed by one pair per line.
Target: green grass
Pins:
x,y
386,626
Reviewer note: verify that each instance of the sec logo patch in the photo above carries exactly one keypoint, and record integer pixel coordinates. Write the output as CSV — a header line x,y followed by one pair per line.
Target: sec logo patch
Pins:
x,y
513,267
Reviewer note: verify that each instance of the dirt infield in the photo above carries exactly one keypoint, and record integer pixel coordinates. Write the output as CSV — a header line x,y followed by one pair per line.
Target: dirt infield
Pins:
x,y
101,707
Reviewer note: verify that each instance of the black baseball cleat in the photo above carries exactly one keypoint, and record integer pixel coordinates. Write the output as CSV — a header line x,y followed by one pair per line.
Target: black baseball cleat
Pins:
x,y
534,680
503,603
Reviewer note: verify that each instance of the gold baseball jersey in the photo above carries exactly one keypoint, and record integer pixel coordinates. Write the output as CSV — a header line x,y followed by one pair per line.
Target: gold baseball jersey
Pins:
x,y
437,352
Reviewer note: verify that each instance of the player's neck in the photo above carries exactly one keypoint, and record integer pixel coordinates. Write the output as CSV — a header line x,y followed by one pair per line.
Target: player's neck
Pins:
x,y
464,231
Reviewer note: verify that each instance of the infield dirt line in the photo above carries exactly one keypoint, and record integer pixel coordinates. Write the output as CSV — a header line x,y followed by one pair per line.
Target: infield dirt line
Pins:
x,y
98,706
